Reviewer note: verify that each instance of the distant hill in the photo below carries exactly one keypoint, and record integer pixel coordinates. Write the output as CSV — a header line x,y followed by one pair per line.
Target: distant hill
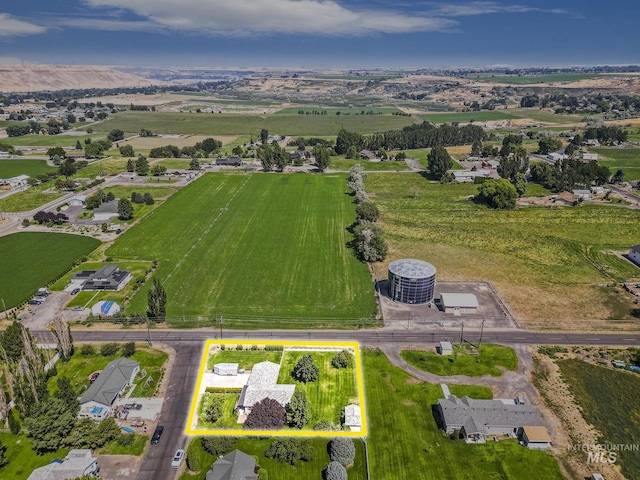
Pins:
x,y
33,78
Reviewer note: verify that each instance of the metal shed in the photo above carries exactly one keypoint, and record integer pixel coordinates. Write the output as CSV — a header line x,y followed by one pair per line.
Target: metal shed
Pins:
x,y
229,369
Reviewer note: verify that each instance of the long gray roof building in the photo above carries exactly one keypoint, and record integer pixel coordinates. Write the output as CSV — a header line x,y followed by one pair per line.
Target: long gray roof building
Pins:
x,y
236,465
263,383
115,376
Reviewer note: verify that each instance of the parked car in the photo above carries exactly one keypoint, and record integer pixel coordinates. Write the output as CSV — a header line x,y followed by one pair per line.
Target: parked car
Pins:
x,y
35,301
94,376
177,459
133,406
74,291
155,438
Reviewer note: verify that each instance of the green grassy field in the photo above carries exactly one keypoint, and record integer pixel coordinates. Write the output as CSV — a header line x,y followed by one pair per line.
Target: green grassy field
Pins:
x,y
334,389
249,247
534,79
333,110
545,115
22,460
80,367
467,116
108,166
405,442
51,140
112,448
30,198
608,400
421,155
12,168
24,275
205,124
342,164
284,471
465,361
627,159
244,358
529,253
229,419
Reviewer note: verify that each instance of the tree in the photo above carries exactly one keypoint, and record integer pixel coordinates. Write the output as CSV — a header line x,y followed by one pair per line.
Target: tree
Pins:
x,y
12,343
194,164
265,154
78,145
53,151
280,157
115,135
125,209
305,370
335,471
136,197
217,446
3,455
298,410
127,151
291,451
264,136
157,302
618,177
131,165
128,349
142,165
322,157
367,212
158,170
14,423
342,450
370,243
213,412
66,393
62,333
109,349
476,148
50,423
68,168
499,194
439,162
547,145
93,149
342,359
352,153
148,199
520,183
110,197
267,414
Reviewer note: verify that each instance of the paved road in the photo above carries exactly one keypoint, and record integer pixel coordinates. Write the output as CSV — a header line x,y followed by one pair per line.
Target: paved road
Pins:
x,y
366,337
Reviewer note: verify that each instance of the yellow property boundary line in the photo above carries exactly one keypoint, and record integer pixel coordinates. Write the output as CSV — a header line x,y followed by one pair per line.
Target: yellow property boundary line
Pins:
x,y
281,433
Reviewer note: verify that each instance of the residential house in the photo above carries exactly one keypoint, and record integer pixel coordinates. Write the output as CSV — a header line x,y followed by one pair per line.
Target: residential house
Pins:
x,y
76,464
556,156
78,201
106,211
368,155
97,401
468,175
109,277
583,195
565,198
229,161
263,383
236,465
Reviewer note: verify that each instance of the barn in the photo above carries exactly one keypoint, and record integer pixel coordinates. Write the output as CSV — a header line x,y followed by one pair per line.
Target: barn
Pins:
x,y
459,303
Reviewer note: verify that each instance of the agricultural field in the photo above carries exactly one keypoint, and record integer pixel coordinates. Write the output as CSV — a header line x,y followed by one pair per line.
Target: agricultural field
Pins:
x,y
231,124
546,116
533,79
608,400
490,360
467,116
333,110
529,253
51,140
33,168
627,159
335,389
17,256
342,164
211,238
404,440
31,198
108,166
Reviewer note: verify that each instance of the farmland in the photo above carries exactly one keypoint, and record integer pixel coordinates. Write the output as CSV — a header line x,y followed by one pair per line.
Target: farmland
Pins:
x,y
230,124
333,111
608,400
343,164
627,159
529,253
51,140
254,246
33,168
17,256
404,440
467,116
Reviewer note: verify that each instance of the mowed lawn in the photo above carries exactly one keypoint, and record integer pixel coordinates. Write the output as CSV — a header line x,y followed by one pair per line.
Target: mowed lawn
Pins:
x,y
254,246
12,168
334,389
21,458
488,361
237,124
627,159
405,443
31,260
244,358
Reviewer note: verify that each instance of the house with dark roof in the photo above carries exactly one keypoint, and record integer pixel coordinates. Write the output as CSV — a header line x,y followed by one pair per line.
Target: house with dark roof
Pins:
x,y
236,465
634,254
106,211
109,277
229,161
97,401
477,419
263,383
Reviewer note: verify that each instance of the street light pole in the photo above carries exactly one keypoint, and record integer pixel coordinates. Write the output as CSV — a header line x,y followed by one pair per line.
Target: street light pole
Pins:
x,y
148,334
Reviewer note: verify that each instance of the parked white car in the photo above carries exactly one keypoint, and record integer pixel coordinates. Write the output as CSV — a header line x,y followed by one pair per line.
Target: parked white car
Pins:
x,y
177,459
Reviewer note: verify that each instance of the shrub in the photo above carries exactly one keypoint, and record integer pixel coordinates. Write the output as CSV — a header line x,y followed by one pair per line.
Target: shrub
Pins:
x,y
218,445
213,411
128,349
342,450
335,471
87,349
126,440
342,359
325,426
291,451
108,349
298,410
195,455
267,414
305,370
14,423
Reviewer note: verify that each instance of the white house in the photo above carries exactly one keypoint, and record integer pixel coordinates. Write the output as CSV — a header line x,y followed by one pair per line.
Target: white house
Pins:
x,y
263,383
76,464
105,308
353,418
78,201
634,254
97,400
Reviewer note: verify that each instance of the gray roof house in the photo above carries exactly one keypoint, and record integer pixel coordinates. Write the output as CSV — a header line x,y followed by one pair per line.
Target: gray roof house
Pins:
x,y
478,418
109,277
105,211
76,464
236,465
116,376
263,383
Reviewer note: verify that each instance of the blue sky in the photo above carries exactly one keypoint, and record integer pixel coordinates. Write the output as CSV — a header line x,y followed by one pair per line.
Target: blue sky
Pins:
x,y
320,33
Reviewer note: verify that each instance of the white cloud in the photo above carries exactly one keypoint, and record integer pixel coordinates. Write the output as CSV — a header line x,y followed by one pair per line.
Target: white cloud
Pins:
x,y
247,17
11,27
483,8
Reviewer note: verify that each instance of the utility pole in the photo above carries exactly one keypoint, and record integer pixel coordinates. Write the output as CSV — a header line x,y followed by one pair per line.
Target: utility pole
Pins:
x,y
148,334
461,334
220,321
481,331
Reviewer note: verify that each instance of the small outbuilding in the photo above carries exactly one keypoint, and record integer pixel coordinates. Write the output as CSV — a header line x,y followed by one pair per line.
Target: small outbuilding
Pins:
x,y
228,369
446,348
535,437
634,254
459,303
105,308
353,418
78,201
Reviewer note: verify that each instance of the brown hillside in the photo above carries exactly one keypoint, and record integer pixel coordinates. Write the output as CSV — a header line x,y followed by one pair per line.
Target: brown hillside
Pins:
x,y
31,78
